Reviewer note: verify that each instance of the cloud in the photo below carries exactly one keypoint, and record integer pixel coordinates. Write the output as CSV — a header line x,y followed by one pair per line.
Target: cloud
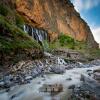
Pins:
x,y
85,4
96,34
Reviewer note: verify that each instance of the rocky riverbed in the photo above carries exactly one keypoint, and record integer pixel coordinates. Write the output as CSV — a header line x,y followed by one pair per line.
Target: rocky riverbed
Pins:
x,y
23,80
32,91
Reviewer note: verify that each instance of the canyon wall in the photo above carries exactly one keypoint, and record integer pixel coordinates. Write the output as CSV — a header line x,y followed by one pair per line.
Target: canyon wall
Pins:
x,y
56,16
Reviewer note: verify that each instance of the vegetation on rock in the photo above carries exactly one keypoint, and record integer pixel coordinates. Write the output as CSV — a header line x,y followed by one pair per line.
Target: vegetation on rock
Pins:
x,y
13,37
66,40
15,44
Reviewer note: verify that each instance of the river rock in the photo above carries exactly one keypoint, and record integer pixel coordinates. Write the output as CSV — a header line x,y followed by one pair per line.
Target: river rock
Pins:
x,y
97,76
95,62
57,69
71,87
28,78
52,88
69,79
2,83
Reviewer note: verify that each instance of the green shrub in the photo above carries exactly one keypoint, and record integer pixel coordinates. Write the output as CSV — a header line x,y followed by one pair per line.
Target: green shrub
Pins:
x,y
55,45
45,45
3,10
79,45
65,40
95,53
19,21
18,39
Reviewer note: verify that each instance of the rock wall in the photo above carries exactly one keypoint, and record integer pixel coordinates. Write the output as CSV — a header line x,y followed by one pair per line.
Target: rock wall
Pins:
x,y
56,16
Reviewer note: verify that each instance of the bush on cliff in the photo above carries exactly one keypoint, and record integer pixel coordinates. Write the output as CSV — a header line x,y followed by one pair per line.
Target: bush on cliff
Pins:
x,y
12,37
15,43
3,10
66,40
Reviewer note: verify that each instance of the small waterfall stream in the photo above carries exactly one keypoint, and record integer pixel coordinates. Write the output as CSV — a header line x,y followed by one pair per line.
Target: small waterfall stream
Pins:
x,y
60,61
38,34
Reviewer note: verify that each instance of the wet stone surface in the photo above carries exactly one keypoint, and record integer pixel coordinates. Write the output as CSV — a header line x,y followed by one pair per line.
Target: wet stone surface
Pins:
x,y
53,89
81,93
25,72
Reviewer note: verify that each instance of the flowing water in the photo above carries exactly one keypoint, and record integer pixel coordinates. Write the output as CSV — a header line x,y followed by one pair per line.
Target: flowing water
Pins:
x,y
38,34
31,91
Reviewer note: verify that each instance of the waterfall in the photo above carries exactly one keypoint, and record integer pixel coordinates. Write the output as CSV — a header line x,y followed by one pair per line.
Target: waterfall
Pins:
x,y
60,61
38,34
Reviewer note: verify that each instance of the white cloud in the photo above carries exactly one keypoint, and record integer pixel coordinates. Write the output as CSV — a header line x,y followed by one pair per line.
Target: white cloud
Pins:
x,y
85,4
96,34
78,4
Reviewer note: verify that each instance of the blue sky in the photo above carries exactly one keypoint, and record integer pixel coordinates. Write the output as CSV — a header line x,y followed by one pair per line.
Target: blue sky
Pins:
x,y
90,12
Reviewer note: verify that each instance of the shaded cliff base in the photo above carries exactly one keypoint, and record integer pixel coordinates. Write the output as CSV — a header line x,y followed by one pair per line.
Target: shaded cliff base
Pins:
x,y
15,44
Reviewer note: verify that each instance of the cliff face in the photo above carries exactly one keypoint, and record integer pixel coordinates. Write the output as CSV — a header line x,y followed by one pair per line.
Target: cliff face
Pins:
x,y
56,16
15,44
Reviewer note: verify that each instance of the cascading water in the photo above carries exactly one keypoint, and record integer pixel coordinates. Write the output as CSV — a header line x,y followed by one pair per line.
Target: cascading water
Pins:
x,y
61,61
38,34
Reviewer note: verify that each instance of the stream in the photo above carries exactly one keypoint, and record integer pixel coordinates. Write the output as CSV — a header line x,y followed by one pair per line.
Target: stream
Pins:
x,y
31,91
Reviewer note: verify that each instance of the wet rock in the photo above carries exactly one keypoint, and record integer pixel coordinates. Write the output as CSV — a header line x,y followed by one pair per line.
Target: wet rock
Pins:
x,y
52,88
97,70
83,94
89,70
82,78
91,85
68,68
8,89
18,66
46,54
12,97
6,82
95,62
89,74
71,87
1,83
35,73
57,70
97,76
28,79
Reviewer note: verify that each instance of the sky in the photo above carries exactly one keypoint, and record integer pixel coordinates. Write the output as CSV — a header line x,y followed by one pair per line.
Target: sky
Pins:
x,y
90,11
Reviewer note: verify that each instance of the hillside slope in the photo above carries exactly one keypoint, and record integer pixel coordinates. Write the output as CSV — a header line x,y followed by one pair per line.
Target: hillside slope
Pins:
x,y
15,44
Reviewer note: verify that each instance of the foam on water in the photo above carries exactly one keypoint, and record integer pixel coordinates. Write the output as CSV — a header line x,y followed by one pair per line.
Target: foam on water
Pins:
x,y
31,91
